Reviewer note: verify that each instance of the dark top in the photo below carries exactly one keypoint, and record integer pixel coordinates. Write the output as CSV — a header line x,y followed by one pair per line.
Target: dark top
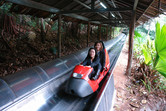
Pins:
x,y
88,62
102,57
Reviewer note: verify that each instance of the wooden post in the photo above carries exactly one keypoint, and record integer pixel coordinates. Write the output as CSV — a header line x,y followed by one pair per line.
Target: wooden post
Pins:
x,y
59,35
110,32
159,5
131,37
91,31
113,32
100,32
88,33
92,4
79,30
106,32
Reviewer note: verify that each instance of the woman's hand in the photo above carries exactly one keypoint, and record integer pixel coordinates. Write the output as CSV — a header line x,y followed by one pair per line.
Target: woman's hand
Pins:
x,y
104,68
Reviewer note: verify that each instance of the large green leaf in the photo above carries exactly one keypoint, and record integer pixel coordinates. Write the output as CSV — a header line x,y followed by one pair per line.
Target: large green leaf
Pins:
x,y
162,73
157,35
160,41
162,54
156,60
147,54
161,67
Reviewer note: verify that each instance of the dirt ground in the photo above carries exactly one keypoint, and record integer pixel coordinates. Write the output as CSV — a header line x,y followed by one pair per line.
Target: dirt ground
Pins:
x,y
130,97
120,79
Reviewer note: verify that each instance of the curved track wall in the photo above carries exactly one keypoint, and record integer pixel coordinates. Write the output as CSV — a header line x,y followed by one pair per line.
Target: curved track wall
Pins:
x,y
39,87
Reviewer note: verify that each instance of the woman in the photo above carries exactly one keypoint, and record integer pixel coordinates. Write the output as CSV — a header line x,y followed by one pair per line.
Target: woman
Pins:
x,y
99,46
92,60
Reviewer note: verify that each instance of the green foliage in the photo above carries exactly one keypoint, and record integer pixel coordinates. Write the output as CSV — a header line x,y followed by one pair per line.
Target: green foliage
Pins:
x,y
160,41
161,67
146,53
5,8
136,34
54,26
152,57
148,84
53,50
116,31
103,29
138,41
143,30
160,46
163,81
151,34
32,23
154,54
83,26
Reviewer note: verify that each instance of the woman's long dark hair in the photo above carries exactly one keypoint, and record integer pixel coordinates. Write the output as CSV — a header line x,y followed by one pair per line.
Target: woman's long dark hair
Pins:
x,y
101,42
88,56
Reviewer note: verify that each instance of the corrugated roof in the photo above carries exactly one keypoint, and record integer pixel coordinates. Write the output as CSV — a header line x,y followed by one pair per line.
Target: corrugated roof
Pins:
x,y
145,10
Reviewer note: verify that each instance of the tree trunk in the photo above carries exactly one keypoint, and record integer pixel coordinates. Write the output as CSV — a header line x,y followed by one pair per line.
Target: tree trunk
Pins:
x,y
8,29
42,31
8,25
131,37
59,35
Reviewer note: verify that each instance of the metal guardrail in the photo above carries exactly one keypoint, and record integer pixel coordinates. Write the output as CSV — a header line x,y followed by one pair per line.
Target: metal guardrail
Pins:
x,y
37,87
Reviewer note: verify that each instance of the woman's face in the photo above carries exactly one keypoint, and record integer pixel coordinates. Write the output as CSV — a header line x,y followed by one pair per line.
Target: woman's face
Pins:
x,y
92,53
98,46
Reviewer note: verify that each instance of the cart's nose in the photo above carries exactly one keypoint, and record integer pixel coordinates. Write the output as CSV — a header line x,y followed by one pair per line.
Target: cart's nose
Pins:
x,y
79,87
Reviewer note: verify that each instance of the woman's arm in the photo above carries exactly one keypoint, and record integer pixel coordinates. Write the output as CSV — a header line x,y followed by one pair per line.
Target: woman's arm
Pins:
x,y
96,62
104,58
85,61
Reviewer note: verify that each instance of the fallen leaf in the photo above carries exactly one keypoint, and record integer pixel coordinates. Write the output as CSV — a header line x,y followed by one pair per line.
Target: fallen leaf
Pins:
x,y
134,105
144,92
143,101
